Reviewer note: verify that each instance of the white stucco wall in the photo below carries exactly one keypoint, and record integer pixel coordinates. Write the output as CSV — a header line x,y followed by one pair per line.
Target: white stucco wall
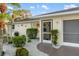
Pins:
x,y
58,24
20,27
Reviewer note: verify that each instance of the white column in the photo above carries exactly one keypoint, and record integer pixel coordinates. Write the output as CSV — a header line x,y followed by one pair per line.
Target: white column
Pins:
x,y
58,24
40,33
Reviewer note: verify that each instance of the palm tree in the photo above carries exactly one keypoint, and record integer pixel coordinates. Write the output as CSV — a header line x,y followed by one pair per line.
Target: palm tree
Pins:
x,y
4,16
3,10
21,13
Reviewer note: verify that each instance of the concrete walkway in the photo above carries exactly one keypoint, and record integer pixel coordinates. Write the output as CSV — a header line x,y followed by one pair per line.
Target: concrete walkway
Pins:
x,y
63,51
32,48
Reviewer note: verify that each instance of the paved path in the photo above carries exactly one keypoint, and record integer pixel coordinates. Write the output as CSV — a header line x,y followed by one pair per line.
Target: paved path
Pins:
x,y
63,51
32,47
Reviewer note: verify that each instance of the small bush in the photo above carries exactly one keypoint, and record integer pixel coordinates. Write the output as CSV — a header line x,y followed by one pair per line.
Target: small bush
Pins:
x,y
19,41
16,34
24,37
32,33
22,52
54,36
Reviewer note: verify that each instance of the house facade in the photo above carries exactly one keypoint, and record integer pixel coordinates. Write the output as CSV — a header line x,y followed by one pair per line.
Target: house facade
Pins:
x,y
65,21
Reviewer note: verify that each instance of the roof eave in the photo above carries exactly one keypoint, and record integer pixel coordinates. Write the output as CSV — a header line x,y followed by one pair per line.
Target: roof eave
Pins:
x,y
57,14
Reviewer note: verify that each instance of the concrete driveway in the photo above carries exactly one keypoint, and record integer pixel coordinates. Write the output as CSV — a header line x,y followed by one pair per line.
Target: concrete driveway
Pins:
x,y
63,51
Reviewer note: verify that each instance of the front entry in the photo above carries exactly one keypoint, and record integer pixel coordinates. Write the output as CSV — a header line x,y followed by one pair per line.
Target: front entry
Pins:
x,y
46,28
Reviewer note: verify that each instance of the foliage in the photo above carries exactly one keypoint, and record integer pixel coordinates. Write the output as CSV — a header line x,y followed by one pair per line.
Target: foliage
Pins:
x,y
21,13
3,12
15,4
32,33
22,52
19,41
16,34
3,7
16,12
24,37
5,16
54,36
2,54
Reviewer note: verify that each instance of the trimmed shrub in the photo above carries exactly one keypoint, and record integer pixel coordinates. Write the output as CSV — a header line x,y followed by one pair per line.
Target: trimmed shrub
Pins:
x,y
24,37
32,33
16,34
22,52
19,41
54,36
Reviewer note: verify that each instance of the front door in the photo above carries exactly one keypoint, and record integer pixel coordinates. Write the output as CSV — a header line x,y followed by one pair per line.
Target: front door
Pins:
x,y
46,30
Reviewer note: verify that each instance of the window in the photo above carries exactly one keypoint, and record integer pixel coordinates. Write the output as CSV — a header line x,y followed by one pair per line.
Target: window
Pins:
x,y
47,26
13,26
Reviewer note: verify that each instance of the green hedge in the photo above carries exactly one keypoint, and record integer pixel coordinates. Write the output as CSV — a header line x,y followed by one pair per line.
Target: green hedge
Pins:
x,y
32,33
19,41
22,52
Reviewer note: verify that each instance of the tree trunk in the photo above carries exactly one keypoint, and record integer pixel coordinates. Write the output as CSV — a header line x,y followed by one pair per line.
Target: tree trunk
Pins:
x,y
3,9
1,41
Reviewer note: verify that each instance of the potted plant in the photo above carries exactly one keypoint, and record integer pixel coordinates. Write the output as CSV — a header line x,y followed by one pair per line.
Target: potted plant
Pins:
x,y
55,38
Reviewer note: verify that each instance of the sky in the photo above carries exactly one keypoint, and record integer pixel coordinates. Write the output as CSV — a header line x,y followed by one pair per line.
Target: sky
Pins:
x,y
41,8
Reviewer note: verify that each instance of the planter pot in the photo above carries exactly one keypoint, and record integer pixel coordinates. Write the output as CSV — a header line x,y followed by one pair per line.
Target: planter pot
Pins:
x,y
56,46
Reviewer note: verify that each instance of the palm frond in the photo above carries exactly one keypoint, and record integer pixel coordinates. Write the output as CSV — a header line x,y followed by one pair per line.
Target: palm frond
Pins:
x,y
5,17
18,12
15,5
